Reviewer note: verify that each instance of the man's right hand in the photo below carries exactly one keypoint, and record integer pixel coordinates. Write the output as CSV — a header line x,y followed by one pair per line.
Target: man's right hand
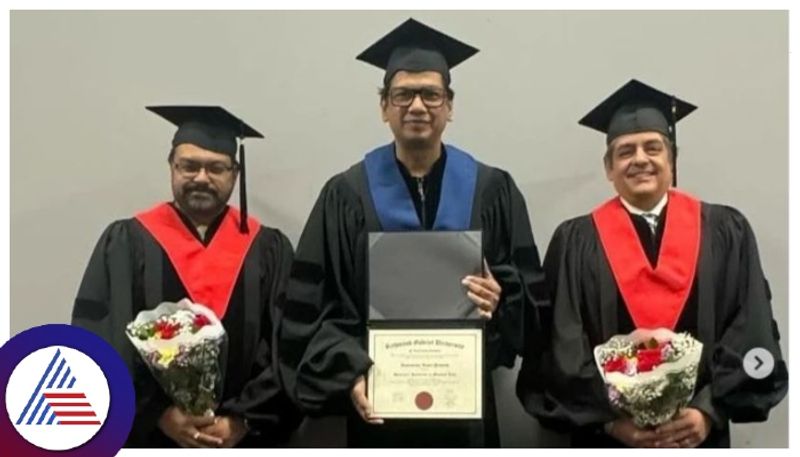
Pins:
x,y
361,403
625,431
184,429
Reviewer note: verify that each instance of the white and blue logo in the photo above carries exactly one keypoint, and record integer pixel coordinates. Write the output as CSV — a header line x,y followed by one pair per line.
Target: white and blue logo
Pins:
x,y
59,413
67,393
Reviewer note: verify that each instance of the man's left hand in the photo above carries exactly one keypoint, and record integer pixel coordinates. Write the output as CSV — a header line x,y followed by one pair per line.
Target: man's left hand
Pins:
x,y
230,429
484,292
689,428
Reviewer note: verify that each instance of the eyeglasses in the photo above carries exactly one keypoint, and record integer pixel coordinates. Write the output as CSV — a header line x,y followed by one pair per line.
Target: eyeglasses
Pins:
x,y
431,97
190,168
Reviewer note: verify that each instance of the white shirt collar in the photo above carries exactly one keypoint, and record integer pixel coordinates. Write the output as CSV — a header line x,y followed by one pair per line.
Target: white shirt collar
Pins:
x,y
638,212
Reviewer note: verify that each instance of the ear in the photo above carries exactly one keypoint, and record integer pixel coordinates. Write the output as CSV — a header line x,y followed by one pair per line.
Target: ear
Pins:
x,y
384,106
671,171
607,165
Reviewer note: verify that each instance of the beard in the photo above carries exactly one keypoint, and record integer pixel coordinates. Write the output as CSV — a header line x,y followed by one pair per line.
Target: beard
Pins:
x,y
200,201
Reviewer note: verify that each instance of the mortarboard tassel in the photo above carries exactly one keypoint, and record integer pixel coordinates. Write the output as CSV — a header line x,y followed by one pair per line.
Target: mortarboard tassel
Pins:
x,y
674,139
242,191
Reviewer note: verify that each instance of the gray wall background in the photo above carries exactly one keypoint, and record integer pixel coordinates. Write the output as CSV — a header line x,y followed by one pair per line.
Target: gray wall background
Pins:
x,y
84,151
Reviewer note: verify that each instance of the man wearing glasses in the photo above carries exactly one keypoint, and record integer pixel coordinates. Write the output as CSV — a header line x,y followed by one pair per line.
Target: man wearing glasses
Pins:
x,y
197,247
414,183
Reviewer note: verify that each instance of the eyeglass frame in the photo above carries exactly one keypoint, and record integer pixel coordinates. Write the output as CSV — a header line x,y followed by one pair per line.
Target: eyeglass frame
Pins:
x,y
179,166
447,94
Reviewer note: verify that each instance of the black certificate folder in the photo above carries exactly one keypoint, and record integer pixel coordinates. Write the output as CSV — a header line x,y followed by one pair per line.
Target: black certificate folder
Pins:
x,y
417,275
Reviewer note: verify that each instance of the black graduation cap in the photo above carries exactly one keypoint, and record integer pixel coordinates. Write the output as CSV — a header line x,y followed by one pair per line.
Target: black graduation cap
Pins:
x,y
636,107
215,129
413,46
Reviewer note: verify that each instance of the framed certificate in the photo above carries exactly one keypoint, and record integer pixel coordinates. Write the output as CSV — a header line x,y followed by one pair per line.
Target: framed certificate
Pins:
x,y
424,373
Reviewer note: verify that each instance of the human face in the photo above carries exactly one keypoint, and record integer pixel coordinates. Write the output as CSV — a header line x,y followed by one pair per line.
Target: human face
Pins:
x,y
202,193
640,168
417,125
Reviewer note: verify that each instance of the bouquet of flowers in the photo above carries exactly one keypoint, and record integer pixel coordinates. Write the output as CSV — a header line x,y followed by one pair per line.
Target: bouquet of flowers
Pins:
x,y
181,344
649,374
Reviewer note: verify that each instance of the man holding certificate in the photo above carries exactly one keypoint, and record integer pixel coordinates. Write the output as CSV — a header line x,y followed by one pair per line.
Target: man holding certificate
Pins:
x,y
418,184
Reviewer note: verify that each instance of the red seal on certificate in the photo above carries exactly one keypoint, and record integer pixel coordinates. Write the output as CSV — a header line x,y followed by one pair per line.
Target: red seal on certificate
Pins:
x,y
423,400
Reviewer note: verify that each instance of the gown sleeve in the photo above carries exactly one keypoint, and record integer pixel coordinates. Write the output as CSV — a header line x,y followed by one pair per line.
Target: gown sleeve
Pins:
x,y
269,412
107,300
513,259
320,341
744,321
562,387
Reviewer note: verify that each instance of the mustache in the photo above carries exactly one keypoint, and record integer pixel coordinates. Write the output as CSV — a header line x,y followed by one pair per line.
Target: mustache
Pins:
x,y
199,188
634,170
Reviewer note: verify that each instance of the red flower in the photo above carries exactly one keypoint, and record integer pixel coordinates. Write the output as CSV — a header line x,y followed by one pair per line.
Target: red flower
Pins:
x,y
201,321
166,330
617,364
647,359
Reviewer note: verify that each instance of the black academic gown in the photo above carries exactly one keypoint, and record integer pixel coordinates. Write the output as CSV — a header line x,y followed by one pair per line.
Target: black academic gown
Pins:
x,y
322,346
129,272
728,310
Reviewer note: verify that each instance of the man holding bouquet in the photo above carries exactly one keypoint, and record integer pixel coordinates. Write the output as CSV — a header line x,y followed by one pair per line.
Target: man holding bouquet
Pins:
x,y
198,247
653,257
